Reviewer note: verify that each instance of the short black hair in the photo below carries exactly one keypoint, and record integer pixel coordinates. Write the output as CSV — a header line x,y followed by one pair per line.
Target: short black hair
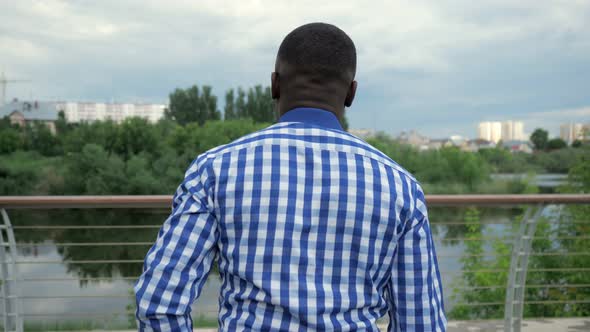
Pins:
x,y
319,48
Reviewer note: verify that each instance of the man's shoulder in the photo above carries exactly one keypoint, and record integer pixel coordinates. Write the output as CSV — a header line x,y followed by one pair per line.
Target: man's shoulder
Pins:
x,y
386,160
309,135
242,142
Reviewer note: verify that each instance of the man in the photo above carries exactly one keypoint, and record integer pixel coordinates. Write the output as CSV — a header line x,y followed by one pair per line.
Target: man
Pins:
x,y
313,228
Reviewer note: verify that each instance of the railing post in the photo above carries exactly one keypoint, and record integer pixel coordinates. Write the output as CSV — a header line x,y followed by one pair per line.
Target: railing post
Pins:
x,y
13,321
521,249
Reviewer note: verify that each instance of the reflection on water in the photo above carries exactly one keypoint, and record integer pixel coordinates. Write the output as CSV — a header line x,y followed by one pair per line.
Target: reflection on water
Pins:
x,y
119,288
51,245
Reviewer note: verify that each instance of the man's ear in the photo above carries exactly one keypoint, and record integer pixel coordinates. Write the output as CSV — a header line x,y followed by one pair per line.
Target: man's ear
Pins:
x,y
275,86
350,94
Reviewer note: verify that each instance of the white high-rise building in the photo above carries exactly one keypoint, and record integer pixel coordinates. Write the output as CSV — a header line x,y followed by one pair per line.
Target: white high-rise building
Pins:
x,y
570,132
513,131
494,131
88,112
490,131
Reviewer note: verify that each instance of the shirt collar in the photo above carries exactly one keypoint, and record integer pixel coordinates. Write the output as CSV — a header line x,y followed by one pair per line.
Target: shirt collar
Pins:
x,y
316,116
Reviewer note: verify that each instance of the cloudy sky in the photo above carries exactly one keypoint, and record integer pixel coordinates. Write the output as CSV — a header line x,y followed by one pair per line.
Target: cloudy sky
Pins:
x,y
438,67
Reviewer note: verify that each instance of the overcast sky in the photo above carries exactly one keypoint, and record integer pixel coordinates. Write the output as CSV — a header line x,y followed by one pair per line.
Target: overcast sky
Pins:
x,y
438,67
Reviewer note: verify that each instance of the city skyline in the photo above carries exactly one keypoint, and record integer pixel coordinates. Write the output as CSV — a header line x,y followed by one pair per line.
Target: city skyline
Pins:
x,y
493,131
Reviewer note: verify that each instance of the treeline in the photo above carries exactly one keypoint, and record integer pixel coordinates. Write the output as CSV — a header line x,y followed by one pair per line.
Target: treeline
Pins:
x,y
557,160
200,105
138,157
450,170
541,141
103,157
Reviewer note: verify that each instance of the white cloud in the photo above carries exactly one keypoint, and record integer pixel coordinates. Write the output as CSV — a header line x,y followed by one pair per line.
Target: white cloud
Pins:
x,y
552,119
571,114
416,35
456,56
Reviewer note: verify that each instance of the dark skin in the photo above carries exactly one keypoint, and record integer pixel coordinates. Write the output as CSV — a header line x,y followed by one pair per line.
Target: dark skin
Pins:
x,y
295,87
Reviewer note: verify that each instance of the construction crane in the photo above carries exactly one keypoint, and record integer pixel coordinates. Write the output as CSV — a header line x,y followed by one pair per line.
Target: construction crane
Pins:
x,y
3,83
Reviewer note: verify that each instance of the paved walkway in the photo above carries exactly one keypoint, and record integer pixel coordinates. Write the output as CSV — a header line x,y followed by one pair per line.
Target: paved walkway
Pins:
x,y
535,325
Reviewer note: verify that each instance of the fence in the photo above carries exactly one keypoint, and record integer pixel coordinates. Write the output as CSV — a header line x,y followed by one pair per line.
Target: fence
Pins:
x,y
15,314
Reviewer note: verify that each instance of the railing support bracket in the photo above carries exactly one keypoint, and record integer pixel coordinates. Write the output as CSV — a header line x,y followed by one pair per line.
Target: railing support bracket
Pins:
x,y
13,319
521,250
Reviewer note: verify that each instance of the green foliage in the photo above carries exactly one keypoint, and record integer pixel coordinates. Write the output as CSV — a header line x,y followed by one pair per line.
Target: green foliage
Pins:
x,y
478,282
579,173
539,137
241,111
27,173
61,125
501,160
556,161
193,139
39,137
556,143
10,140
102,158
5,123
103,133
138,157
134,136
255,104
260,105
559,249
94,172
344,122
229,111
192,105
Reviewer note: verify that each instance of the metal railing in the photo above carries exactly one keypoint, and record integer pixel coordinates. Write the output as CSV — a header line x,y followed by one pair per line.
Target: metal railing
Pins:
x,y
521,249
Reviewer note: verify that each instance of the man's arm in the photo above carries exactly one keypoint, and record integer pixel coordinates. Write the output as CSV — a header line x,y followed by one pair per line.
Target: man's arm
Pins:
x,y
416,298
177,265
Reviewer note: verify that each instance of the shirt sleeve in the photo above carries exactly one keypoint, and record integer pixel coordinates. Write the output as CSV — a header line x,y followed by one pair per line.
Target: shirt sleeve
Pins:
x,y
177,265
415,291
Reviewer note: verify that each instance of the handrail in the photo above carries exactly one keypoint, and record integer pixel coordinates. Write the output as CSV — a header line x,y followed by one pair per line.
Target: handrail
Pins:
x,y
164,201
74,202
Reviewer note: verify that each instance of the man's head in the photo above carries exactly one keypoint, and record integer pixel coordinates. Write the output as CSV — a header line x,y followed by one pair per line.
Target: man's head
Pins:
x,y
315,67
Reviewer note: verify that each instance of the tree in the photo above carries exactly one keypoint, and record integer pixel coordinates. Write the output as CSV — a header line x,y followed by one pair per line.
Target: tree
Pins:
x,y
260,105
134,136
256,104
479,285
576,144
229,111
19,173
556,144
183,105
93,171
208,106
103,133
241,109
191,140
5,123
61,125
539,137
344,122
10,140
140,178
189,105
38,137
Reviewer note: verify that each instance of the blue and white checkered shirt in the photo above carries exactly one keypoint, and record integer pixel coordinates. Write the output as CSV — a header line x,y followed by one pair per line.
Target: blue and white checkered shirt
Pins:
x,y
313,229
